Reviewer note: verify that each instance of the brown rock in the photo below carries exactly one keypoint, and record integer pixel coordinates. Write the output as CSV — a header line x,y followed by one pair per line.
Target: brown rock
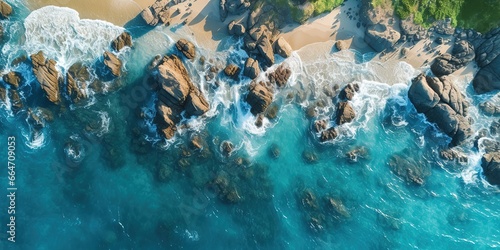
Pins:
x,y
227,148
236,28
77,77
3,94
47,75
328,135
13,79
232,70
187,48
112,63
347,93
259,97
341,45
15,100
345,113
252,69
320,125
121,41
281,75
5,10
282,48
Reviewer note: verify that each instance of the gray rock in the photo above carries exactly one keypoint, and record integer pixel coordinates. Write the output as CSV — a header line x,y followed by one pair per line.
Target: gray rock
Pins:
x,y
381,37
236,28
461,55
282,48
491,167
251,69
488,59
259,97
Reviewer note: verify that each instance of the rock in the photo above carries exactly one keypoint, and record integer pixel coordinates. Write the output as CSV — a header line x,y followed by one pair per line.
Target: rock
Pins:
x,y
357,153
259,97
281,75
345,113
309,156
443,104
320,125
12,78
347,93
232,70
328,135
258,40
406,168
461,55
47,75
76,81
274,151
187,48
266,51
491,167
15,101
453,155
251,69
113,64
495,128
488,59
282,48
157,13
272,111
259,121
124,40
3,94
226,148
337,207
381,37
489,108
5,10
235,7
176,93
236,28
222,10
341,45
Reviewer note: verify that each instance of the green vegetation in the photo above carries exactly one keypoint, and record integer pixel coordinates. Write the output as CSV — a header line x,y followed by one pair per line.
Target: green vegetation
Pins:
x,y
322,6
480,15
301,10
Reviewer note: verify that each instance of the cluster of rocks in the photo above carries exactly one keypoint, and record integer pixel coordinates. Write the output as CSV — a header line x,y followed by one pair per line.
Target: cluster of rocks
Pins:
x,y
344,114
232,7
488,59
158,12
404,166
443,104
176,94
381,30
461,55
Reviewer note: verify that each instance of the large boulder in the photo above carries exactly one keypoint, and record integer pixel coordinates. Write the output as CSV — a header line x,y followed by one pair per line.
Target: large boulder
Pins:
x,y
112,63
281,75
5,10
328,135
186,47
47,75
233,7
381,37
258,41
176,93
442,104
232,70
259,97
347,93
251,69
158,12
123,40
12,78
345,113
282,48
76,82
488,59
491,167
461,55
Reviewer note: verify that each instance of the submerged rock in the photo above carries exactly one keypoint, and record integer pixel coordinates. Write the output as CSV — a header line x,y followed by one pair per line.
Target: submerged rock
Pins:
x,y
3,94
226,148
443,104
281,75
15,101
345,113
357,153
461,55
491,167
186,47
123,40
406,168
251,69
47,75
112,63
176,93
259,97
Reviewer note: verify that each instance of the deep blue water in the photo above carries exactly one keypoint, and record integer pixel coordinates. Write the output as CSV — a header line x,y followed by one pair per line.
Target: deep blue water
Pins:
x,y
132,190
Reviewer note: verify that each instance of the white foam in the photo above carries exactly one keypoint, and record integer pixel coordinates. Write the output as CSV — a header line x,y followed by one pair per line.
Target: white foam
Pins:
x,y
62,35
105,120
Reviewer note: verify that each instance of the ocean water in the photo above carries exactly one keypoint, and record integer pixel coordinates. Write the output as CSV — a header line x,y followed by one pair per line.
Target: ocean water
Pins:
x,y
123,187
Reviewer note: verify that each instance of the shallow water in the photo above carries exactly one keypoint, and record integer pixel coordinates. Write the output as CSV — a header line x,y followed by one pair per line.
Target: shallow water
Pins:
x,y
130,189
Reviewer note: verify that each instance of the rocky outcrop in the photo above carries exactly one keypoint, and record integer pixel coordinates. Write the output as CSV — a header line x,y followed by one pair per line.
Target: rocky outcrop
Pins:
x,y
259,97
233,7
282,48
488,59
3,94
345,113
461,55
76,82
381,37
341,45
489,108
15,101
281,75
347,93
112,63
236,28
187,48
157,13
176,93
47,75
251,69
5,10
13,79
328,135
491,167
123,40
232,70
408,169
442,104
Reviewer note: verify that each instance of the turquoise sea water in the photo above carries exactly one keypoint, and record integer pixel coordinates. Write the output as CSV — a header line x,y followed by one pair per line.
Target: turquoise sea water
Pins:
x,y
131,190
